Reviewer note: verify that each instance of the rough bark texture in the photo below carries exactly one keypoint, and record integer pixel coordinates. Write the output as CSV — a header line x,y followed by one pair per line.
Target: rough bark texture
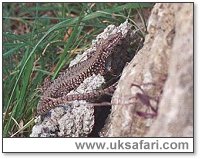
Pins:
x,y
160,76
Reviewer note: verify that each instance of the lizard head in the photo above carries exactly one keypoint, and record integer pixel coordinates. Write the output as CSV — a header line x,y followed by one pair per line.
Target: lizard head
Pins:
x,y
111,42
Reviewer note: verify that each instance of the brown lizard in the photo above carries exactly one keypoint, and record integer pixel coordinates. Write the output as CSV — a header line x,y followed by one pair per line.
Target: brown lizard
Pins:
x,y
76,74
73,76
49,103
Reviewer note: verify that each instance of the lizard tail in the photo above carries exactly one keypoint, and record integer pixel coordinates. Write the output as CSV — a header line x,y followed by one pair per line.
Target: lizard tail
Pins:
x,y
51,103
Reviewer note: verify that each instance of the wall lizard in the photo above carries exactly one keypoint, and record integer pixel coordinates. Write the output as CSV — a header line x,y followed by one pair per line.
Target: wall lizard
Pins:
x,y
57,91
75,75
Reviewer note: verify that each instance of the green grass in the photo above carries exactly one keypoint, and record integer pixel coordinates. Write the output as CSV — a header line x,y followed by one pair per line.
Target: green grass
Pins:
x,y
29,56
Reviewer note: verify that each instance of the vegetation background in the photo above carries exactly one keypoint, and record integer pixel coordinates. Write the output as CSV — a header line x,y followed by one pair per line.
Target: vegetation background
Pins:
x,y
39,40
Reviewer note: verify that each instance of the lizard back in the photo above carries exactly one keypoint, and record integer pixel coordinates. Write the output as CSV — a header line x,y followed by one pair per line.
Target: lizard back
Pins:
x,y
76,74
